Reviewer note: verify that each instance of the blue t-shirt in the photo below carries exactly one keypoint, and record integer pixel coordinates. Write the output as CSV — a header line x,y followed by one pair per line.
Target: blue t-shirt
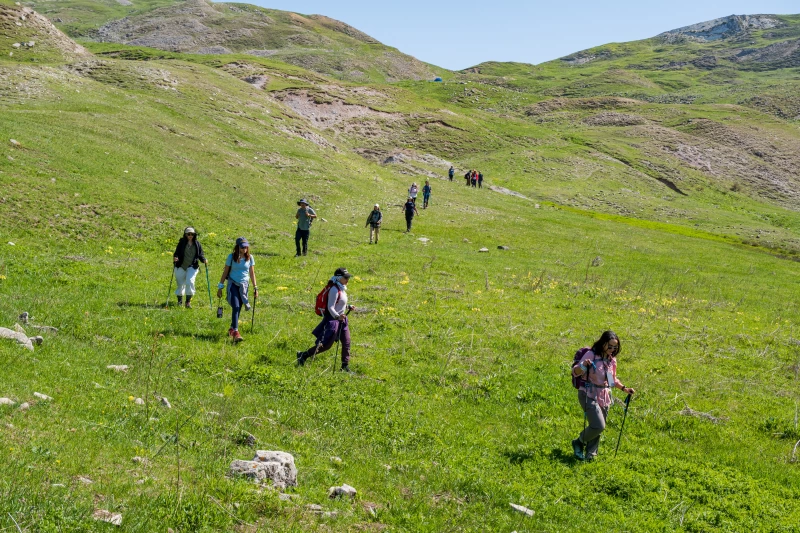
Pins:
x,y
240,271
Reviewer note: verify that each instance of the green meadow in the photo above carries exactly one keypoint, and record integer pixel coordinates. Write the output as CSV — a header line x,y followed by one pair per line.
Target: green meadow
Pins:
x,y
461,401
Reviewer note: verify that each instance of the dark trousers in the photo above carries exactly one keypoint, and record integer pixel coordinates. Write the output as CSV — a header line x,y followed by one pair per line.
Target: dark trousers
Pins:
x,y
409,219
301,234
425,198
236,301
480,184
327,332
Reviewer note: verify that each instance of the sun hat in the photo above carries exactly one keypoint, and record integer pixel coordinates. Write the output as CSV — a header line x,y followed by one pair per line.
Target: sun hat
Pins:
x,y
302,201
376,205
189,230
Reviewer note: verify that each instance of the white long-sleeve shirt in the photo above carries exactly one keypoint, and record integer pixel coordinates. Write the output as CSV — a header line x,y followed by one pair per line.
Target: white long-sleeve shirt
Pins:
x,y
336,308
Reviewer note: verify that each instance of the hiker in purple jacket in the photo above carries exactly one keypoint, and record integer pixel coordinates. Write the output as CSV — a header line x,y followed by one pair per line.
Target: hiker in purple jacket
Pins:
x,y
333,327
598,367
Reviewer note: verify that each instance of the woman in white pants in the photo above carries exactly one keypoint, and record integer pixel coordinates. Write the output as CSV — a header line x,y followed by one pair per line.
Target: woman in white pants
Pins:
x,y
187,258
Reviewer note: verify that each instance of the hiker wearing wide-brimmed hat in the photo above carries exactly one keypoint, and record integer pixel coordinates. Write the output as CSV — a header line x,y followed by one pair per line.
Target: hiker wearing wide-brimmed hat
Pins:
x,y
305,216
239,269
374,220
334,326
186,260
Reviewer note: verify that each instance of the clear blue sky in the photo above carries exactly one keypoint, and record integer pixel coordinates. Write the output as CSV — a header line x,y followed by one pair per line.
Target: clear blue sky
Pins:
x,y
458,35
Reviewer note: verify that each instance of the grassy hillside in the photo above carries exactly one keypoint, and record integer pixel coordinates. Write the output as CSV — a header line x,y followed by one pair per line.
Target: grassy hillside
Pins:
x,y
314,42
461,402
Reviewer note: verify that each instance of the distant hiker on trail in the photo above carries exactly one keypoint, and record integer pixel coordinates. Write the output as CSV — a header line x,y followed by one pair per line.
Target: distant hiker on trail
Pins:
x,y
374,222
480,180
410,210
239,266
467,177
451,173
426,194
597,373
474,178
412,192
305,216
334,326
187,258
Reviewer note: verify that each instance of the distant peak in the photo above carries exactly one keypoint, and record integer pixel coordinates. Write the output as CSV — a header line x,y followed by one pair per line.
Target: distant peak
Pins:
x,y
722,28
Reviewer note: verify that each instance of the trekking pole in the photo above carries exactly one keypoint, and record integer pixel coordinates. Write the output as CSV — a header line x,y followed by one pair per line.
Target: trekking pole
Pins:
x,y
171,277
253,319
627,402
208,286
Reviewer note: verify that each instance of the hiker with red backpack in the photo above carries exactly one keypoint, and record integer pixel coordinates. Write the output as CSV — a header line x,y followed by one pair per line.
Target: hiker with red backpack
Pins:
x,y
594,374
332,305
239,266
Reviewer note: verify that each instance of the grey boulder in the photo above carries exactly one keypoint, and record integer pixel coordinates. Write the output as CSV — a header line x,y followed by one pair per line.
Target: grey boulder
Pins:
x,y
276,466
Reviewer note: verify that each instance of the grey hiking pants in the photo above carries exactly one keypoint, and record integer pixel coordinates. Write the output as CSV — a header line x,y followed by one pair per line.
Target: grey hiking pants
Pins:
x,y
596,419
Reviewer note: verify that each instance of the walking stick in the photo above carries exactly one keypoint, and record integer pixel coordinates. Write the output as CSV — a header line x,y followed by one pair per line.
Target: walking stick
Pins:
x,y
627,402
208,286
166,304
253,319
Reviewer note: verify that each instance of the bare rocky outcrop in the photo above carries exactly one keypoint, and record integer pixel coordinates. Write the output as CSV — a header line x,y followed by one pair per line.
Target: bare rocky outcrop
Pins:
x,y
268,465
721,28
18,335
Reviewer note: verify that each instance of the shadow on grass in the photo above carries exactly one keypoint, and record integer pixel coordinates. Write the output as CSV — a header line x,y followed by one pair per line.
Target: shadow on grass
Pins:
x,y
151,306
199,335
564,457
519,456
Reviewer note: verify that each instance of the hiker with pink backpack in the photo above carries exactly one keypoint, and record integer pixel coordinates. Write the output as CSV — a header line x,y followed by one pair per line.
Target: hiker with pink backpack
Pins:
x,y
332,306
594,374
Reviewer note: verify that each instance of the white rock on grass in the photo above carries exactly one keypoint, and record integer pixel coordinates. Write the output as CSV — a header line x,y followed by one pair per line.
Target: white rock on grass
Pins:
x,y
16,45
7,401
118,368
521,509
17,336
276,466
138,401
484,250
25,406
345,491
166,403
107,516
41,396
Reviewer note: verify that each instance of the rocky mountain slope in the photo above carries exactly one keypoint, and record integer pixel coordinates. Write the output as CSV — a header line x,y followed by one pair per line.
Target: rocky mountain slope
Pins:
x,y
315,42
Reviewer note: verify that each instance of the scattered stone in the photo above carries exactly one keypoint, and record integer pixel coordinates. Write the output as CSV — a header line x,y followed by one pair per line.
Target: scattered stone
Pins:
x,y
18,334
30,44
597,261
85,480
37,340
276,466
138,401
24,316
16,45
118,368
484,250
503,248
41,396
107,516
521,509
336,460
424,240
7,401
315,508
25,406
466,240
286,497
58,485
144,461
166,403
537,206
345,491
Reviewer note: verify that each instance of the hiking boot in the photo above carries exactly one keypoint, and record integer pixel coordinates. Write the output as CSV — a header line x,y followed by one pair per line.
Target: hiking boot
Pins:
x,y
297,255
305,252
346,368
577,448
236,336
301,360
230,332
188,302
180,300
